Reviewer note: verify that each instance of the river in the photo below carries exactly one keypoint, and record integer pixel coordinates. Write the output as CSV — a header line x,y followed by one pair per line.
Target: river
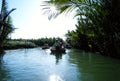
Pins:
x,y
41,65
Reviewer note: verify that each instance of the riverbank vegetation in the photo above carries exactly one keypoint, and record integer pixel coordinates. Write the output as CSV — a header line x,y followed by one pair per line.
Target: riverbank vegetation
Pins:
x,y
15,44
98,24
29,43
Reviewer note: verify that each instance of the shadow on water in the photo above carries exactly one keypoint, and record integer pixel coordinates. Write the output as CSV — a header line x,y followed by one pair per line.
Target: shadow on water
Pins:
x,y
58,56
4,73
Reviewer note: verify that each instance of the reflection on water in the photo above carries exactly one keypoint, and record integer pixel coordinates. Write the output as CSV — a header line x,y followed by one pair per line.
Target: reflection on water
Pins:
x,y
41,65
58,56
1,55
94,67
4,72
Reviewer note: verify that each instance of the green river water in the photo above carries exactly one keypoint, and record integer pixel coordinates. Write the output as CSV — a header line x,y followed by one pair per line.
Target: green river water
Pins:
x,y
41,65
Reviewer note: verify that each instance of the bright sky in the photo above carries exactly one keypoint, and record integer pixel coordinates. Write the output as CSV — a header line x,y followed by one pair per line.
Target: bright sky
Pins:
x,y
32,23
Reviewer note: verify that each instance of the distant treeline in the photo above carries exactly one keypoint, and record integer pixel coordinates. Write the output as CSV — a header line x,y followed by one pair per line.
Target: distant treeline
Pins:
x,y
29,43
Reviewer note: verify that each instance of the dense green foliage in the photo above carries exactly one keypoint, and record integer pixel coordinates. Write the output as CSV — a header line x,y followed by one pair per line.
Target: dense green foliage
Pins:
x,y
98,25
6,26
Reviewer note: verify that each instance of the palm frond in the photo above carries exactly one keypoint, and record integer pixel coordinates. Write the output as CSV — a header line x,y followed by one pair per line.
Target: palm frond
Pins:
x,y
8,13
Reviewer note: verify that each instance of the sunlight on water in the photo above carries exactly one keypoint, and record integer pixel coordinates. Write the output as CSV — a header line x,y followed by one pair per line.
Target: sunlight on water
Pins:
x,y
55,78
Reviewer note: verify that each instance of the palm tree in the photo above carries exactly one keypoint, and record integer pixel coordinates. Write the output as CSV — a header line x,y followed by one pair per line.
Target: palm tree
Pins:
x,y
6,26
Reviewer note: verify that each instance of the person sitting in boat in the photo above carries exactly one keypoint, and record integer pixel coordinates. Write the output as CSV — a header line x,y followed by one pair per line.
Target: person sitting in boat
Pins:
x,y
57,45
61,45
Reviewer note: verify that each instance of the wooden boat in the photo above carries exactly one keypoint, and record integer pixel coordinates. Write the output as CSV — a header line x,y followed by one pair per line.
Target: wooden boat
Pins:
x,y
67,46
54,50
46,46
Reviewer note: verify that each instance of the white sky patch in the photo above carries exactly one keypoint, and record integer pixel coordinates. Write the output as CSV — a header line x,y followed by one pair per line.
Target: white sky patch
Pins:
x,y
31,23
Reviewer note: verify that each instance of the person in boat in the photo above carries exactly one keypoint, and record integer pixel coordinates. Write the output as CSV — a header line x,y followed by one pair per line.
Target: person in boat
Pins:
x,y
45,46
57,45
61,45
